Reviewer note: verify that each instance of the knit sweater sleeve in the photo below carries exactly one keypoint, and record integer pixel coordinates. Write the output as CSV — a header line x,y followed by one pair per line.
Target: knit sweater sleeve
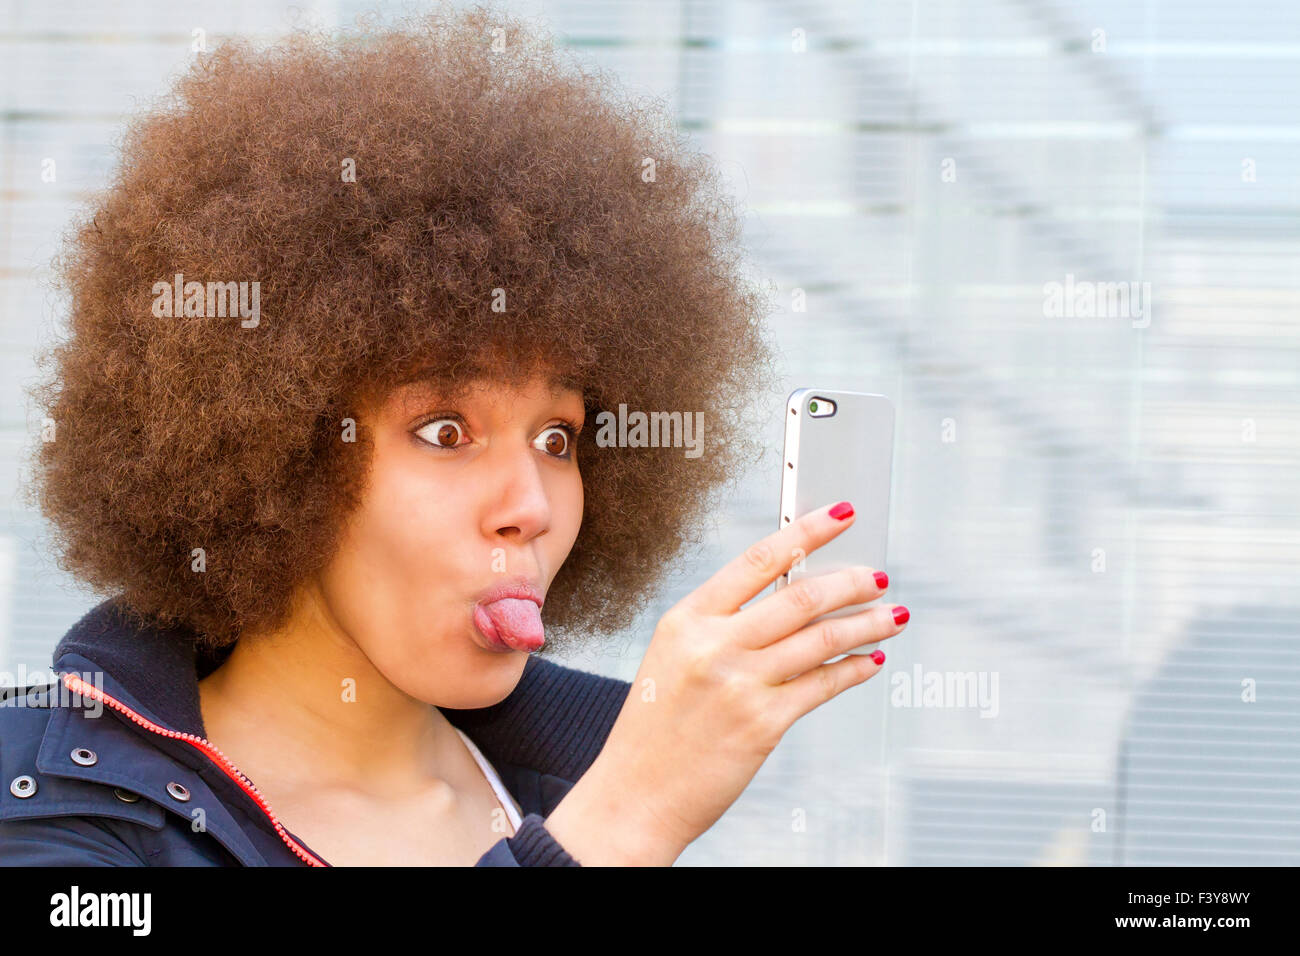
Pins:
x,y
532,845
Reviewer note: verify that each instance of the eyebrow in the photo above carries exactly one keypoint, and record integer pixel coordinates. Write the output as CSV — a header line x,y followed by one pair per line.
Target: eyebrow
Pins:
x,y
429,388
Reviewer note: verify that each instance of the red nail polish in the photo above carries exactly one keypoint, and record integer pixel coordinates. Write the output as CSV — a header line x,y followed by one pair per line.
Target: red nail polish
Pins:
x,y
842,510
901,615
878,657
882,580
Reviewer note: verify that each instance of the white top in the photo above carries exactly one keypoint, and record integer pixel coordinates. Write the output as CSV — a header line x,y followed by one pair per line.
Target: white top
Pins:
x,y
503,795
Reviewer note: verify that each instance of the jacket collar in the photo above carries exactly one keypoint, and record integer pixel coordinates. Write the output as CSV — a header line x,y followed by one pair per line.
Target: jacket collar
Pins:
x,y
154,669
155,672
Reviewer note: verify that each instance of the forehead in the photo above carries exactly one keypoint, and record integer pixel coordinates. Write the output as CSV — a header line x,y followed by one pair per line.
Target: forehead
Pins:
x,y
431,388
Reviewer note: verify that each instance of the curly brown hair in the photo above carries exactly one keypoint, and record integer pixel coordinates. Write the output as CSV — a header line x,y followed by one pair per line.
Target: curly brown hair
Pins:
x,y
476,169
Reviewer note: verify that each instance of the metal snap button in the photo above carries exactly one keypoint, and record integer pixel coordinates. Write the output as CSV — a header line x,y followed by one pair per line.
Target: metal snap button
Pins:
x,y
24,786
177,791
87,758
126,796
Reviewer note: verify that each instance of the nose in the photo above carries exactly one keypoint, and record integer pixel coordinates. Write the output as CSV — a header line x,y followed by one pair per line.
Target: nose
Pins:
x,y
518,506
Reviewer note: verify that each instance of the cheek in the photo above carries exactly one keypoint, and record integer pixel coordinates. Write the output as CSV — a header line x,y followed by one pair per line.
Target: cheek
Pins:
x,y
566,518
390,552
407,516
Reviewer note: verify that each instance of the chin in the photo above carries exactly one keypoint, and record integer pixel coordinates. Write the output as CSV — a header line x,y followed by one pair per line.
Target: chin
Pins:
x,y
489,681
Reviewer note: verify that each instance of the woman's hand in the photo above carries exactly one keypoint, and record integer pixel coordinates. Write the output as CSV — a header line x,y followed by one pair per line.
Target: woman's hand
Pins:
x,y
715,693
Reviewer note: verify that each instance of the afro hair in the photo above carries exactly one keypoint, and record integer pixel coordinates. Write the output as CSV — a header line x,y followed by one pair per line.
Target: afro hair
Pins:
x,y
447,198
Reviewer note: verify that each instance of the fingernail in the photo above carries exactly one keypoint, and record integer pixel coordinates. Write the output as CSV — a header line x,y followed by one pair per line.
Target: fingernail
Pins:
x,y
842,510
878,657
882,580
900,614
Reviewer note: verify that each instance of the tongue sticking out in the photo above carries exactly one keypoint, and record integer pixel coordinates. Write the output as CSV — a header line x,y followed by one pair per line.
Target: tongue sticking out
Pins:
x,y
518,622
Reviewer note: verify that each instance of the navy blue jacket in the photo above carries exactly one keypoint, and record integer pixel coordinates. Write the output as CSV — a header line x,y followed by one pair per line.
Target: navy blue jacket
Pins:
x,y
120,788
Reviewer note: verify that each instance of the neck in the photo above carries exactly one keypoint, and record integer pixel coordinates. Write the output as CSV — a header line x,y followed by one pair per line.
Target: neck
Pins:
x,y
306,704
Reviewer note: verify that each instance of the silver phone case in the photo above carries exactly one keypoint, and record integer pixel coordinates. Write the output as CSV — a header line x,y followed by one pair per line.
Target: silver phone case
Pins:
x,y
845,457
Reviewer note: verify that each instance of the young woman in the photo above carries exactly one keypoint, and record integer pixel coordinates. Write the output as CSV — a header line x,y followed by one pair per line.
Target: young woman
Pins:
x,y
340,518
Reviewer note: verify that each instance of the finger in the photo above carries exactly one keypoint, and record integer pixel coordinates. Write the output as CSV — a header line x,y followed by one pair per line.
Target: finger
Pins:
x,y
762,562
779,614
819,642
811,689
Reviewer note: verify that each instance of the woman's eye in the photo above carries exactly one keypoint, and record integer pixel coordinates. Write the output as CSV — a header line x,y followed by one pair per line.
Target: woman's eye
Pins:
x,y
448,433
556,441
443,432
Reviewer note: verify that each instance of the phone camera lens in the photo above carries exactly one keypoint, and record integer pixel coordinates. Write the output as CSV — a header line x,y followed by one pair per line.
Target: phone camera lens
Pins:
x,y
812,407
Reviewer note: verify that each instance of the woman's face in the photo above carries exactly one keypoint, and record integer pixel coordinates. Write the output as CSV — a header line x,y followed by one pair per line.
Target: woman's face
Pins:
x,y
464,496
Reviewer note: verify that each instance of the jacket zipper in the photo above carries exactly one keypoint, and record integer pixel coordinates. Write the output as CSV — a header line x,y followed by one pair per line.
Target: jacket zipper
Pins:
x,y
76,684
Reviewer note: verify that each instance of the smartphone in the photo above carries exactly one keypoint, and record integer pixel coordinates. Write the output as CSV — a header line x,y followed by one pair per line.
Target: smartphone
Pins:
x,y
839,446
